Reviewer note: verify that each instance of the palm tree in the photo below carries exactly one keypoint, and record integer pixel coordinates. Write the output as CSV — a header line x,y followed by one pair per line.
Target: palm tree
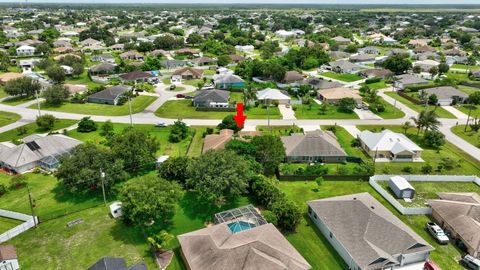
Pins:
x,y
427,120
406,126
248,94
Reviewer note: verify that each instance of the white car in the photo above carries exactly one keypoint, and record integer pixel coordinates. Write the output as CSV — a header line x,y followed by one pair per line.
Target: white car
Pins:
x,y
437,233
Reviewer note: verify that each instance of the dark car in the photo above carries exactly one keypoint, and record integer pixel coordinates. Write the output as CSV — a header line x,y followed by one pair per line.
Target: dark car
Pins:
x,y
430,265
180,96
188,97
173,86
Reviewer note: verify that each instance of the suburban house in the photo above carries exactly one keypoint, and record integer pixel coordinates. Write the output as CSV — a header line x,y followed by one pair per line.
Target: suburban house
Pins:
x,y
27,65
476,74
137,76
401,187
376,73
292,77
241,239
117,47
8,76
90,42
8,258
313,146
366,234
406,80
418,42
205,61
36,151
236,58
189,73
111,95
341,40
334,95
169,64
211,98
342,66
112,263
319,83
426,65
369,50
218,141
363,57
25,50
458,213
103,68
446,95
228,81
389,146
131,55
103,58
268,95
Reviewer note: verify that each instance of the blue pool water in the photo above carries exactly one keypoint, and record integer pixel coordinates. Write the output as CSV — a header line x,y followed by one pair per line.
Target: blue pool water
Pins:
x,y
239,226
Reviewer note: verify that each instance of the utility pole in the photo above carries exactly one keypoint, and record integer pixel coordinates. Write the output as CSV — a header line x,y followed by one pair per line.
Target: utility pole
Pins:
x,y
38,103
470,106
268,115
102,175
32,208
130,110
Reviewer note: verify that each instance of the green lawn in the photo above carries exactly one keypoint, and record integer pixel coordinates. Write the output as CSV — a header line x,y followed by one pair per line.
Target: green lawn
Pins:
x,y
8,118
341,76
236,97
8,223
474,112
467,89
425,191
183,109
390,112
2,92
193,82
161,133
313,112
279,130
345,140
17,100
376,86
138,105
196,145
466,165
441,112
460,66
32,128
314,247
83,79
470,136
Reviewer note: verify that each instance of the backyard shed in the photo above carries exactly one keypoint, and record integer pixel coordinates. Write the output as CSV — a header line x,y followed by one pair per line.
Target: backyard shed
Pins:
x,y
401,188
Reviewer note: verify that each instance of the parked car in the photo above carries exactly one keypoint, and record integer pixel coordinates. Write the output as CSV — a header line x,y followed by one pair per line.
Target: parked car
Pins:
x,y
188,97
173,86
430,265
180,96
161,124
471,262
437,233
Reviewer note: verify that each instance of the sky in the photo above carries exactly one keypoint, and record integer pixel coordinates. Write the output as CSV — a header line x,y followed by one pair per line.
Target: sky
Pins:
x,y
345,2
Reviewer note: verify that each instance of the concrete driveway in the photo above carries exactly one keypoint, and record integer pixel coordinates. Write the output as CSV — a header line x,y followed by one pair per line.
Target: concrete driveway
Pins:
x,y
287,113
458,114
366,114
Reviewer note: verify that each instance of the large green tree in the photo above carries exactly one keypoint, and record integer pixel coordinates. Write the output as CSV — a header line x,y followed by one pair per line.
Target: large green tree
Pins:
x,y
135,147
56,94
175,168
81,171
56,73
398,64
22,86
269,151
219,175
149,199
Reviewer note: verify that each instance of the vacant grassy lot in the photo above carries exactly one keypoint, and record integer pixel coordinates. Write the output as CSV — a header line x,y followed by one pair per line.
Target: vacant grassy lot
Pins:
x,y
425,191
470,136
8,118
8,223
161,133
32,128
376,86
138,105
442,113
310,242
183,109
342,77
447,155
390,112
313,112
83,79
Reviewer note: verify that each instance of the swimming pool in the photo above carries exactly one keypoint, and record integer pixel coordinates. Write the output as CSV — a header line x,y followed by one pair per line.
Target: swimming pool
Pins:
x,y
239,226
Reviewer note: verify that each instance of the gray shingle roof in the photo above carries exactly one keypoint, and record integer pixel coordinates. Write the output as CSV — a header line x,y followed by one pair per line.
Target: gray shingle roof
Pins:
x,y
370,233
215,95
111,93
445,92
315,143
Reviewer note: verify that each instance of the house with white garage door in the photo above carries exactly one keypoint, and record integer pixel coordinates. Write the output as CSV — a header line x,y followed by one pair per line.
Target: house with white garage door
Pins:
x,y
269,95
366,234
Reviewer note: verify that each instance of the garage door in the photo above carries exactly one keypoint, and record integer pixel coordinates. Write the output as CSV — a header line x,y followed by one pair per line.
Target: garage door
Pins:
x,y
407,194
413,258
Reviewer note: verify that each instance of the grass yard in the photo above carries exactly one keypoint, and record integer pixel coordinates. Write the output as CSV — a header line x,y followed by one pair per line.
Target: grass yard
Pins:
x,y
196,145
32,128
442,113
342,76
236,97
279,130
333,168
138,105
345,140
390,112
161,133
2,92
376,86
313,112
470,136
460,66
467,89
465,164
425,191
8,223
83,79
310,242
17,100
8,118
183,109
474,112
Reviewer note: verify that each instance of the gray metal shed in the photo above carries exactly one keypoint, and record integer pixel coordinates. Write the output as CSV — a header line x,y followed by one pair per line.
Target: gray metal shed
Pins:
x,y
401,188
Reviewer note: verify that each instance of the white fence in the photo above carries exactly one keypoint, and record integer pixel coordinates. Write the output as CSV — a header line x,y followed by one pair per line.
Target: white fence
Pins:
x,y
29,223
419,178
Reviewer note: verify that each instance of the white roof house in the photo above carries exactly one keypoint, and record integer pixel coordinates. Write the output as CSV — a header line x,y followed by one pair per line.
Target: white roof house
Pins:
x,y
25,50
389,145
272,94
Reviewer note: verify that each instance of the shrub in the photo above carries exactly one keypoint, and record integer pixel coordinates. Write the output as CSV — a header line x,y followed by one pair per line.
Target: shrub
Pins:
x,y
266,190
22,130
3,189
288,214
372,80
86,125
317,169
46,121
270,217
407,169
18,181
426,169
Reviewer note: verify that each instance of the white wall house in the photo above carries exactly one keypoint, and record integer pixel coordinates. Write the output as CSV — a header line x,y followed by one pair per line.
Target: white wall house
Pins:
x,y
25,50
8,258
